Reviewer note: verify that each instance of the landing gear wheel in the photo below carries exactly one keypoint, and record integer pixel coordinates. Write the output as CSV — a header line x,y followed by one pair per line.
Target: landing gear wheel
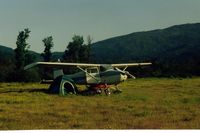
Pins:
x,y
99,91
68,88
107,91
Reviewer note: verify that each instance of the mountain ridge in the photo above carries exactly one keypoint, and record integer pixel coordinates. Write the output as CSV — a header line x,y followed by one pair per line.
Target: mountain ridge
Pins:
x,y
145,45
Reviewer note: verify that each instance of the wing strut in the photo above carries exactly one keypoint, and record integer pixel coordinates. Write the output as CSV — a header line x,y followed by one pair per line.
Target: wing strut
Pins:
x,y
125,68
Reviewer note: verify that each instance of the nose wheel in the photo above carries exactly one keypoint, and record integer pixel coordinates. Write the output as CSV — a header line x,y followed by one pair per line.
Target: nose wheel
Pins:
x,y
107,91
99,89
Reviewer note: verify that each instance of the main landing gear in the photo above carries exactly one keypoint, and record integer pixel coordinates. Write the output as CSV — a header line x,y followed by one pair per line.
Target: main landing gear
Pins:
x,y
107,89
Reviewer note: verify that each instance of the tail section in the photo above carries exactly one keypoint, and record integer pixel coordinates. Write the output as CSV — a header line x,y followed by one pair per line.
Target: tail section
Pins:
x,y
57,72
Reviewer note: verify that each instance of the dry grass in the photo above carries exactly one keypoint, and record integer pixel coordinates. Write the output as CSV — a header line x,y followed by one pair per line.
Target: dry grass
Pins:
x,y
144,104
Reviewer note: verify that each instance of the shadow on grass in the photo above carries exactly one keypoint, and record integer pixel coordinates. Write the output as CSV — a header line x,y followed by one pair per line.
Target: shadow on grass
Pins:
x,y
47,91
43,90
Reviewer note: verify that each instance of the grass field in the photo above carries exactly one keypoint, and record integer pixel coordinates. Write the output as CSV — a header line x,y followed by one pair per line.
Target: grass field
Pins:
x,y
149,103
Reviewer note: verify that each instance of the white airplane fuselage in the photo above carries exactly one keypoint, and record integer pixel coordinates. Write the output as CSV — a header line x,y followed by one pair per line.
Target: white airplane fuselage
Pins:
x,y
109,77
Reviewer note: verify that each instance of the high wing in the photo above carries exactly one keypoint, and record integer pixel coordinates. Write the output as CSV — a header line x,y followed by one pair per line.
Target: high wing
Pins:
x,y
130,64
59,65
64,65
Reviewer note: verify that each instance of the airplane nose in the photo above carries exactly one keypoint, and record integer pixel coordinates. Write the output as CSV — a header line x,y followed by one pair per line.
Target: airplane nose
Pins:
x,y
123,77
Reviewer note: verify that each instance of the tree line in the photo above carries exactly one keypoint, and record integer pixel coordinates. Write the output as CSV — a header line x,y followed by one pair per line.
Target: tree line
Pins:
x,y
13,70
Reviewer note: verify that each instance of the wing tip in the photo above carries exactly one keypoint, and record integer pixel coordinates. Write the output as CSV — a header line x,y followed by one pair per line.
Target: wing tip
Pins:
x,y
31,65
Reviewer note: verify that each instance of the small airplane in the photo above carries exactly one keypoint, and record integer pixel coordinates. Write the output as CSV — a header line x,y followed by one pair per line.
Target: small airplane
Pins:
x,y
96,77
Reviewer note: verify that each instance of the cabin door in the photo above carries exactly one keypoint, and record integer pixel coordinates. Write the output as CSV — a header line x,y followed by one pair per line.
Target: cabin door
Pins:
x,y
92,75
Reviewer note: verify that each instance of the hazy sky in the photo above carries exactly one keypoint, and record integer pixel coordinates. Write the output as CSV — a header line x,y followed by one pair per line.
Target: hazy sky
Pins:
x,y
100,19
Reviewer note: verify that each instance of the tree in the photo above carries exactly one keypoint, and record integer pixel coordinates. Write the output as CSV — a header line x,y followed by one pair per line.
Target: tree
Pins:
x,y
20,55
22,58
71,54
6,66
89,40
48,43
84,53
77,51
22,49
89,43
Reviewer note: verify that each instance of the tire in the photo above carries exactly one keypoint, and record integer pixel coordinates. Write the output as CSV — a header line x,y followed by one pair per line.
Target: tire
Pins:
x,y
68,88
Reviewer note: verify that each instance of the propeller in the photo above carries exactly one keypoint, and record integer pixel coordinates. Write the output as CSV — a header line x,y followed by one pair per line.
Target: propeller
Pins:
x,y
125,72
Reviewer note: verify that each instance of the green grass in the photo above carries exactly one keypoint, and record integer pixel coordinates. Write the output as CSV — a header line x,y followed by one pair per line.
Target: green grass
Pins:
x,y
150,103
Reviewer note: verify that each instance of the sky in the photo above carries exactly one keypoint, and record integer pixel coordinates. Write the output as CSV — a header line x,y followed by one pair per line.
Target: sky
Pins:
x,y
101,19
